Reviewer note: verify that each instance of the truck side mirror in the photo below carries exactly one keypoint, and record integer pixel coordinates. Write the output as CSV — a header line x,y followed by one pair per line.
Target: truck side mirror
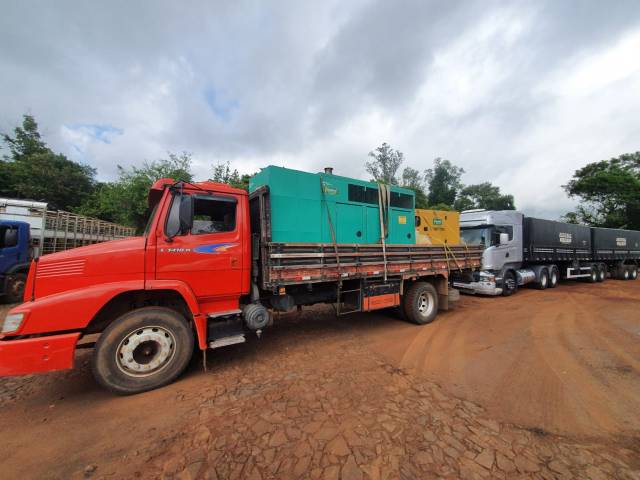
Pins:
x,y
186,213
504,238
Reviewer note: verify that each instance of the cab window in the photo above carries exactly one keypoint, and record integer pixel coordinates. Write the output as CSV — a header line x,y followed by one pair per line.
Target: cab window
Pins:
x,y
8,236
213,214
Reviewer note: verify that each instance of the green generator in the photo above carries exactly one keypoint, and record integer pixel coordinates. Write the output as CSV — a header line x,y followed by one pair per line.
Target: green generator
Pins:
x,y
299,202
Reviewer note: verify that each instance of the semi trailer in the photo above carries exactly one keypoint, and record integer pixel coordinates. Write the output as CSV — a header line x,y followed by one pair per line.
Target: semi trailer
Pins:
x,y
29,229
213,265
522,250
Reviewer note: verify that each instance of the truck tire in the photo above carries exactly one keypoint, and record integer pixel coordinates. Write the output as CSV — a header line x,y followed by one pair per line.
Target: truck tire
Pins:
x,y
142,350
593,275
634,273
554,277
602,273
509,283
543,283
14,292
420,303
626,274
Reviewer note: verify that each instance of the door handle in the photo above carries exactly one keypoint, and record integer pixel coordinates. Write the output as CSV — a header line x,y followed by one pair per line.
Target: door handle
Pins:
x,y
234,261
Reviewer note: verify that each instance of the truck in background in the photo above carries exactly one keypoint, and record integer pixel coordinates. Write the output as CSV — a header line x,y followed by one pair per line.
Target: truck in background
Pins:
x,y
29,229
207,272
522,250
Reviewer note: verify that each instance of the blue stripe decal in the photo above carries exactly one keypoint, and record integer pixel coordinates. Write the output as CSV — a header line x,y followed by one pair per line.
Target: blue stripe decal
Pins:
x,y
214,248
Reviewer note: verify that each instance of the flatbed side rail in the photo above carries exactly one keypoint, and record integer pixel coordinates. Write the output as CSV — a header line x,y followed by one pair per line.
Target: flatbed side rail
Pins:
x,y
291,263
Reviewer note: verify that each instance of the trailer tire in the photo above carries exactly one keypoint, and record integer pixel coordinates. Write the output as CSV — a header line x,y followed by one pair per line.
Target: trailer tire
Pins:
x,y
14,292
543,283
509,284
420,303
144,349
554,277
602,273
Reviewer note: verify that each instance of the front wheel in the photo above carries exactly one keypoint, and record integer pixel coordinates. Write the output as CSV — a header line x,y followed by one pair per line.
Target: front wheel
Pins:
x,y
420,303
509,284
142,350
15,287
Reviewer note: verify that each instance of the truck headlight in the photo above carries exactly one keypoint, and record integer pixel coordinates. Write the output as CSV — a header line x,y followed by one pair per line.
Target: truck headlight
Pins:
x,y
487,277
12,322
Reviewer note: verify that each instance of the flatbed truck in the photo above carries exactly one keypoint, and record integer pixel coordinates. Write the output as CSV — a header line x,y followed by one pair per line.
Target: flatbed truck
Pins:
x,y
204,274
522,250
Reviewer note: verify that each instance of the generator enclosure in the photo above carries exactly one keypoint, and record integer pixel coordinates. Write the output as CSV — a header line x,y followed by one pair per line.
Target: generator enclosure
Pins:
x,y
615,243
437,227
547,240
303,204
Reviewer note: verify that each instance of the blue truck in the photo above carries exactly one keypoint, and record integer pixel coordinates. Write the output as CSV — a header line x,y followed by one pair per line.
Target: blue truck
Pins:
x,y
29,229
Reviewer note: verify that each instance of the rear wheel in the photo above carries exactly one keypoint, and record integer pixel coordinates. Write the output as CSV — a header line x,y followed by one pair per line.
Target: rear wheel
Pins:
x,y
602,273
509,283
593,275
15,287
634,273
543,282
142,350
554,277
421,303
626,274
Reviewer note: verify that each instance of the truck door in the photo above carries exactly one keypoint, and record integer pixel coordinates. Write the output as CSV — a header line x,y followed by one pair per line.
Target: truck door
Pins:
x,y
209,256
9,247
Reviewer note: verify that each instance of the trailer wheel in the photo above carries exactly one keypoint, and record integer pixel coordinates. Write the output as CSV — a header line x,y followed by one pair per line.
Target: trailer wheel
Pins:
x,y
554,277
142,350
543,283
509,283
15,287
602,273
421,303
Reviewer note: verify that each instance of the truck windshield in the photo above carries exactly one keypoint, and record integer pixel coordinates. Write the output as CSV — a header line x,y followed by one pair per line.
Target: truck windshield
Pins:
x,y
480,235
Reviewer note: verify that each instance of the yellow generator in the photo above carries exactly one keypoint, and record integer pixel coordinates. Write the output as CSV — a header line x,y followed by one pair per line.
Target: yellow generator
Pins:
x,y
435,227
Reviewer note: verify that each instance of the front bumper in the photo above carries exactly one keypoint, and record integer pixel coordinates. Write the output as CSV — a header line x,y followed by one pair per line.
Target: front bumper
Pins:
x,y
482,288
37,355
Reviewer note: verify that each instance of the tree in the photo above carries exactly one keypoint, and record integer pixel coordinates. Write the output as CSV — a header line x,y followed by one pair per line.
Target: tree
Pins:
x,y
483,195
33,171
222,173
385,164
125,200
444,182
412,180
609,191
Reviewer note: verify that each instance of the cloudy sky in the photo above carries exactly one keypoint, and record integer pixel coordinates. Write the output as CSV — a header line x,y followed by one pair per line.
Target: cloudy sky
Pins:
x,y
517,93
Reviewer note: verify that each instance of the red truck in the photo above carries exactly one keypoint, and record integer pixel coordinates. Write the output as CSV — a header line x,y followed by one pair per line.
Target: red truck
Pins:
x,y
204,273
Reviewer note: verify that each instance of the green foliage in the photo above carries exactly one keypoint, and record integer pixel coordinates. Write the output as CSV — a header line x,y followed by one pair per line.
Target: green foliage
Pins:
x,y
33,171
222,173
484,195
412,180
384,164
609,191
124,201
444,182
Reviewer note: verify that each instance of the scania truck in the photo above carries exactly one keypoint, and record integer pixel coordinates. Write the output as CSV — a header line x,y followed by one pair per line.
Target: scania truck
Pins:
x,y
207,271
522,250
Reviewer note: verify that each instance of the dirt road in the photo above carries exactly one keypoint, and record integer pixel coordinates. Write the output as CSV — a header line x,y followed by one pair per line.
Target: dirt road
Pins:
x,y
540,385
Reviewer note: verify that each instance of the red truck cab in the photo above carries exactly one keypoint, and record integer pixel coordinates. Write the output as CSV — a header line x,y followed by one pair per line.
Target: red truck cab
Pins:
x,y
192,262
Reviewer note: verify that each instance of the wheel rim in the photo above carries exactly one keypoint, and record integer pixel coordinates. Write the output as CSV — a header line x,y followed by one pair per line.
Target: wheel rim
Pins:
x,y
510,283
544,280
626,274
634,274
554,278
16,287
145,351
425,305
